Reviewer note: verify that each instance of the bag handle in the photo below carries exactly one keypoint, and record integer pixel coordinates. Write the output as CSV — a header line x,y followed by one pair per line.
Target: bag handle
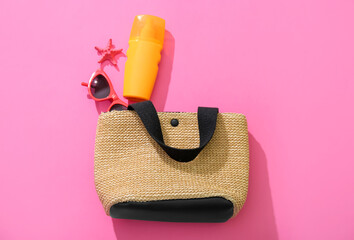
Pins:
x,y
206,124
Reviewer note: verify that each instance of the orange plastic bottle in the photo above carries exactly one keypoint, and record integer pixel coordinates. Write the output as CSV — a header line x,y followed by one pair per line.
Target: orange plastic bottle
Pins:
x,y
144,54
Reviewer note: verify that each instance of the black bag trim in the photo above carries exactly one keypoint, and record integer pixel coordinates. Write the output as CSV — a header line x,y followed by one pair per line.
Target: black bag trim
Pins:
x,y
206,123
212,209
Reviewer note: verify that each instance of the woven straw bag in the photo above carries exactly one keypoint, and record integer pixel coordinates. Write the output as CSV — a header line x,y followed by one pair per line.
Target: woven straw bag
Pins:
x,y
192,169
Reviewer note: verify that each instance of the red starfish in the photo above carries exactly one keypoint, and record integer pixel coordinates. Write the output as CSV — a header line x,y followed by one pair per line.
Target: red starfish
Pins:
x,y
109,53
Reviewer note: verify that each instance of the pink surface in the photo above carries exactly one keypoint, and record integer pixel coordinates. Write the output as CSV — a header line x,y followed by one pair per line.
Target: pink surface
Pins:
x,y
287,65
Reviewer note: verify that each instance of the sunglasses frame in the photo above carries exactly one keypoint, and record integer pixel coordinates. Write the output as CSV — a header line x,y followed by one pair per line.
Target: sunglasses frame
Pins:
x,y
112,94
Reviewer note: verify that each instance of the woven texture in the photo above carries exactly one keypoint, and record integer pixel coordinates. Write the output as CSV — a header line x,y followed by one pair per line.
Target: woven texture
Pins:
x,y
131,166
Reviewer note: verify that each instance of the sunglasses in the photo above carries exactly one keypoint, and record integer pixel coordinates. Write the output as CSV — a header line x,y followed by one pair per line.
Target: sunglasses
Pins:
x,y
100,89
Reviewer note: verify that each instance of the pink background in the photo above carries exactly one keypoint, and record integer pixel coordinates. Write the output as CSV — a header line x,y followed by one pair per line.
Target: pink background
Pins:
x,y
287,65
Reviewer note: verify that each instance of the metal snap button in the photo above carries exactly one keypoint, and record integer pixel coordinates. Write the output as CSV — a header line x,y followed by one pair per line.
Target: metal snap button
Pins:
x,y
174,122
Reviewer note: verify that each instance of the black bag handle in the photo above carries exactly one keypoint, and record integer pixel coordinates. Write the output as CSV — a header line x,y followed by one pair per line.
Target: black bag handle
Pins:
x,y
206,123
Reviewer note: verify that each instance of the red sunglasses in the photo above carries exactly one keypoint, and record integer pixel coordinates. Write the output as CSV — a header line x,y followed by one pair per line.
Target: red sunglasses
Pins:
x,y
100,88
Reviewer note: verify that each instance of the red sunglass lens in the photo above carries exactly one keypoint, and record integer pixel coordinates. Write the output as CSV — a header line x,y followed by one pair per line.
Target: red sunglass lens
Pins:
x,y
118,107
100,87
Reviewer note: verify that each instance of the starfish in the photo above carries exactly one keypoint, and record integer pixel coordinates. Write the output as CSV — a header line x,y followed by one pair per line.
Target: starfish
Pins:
x,y
109,53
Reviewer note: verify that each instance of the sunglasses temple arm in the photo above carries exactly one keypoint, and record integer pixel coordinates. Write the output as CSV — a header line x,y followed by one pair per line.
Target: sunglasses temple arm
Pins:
x,y
84,84
122,103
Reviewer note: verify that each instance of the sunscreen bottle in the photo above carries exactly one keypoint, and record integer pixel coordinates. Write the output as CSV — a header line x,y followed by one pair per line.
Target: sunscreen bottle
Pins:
x,y
144,54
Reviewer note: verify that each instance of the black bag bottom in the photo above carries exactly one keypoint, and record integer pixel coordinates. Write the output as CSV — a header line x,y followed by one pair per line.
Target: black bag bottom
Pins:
x,y
212,209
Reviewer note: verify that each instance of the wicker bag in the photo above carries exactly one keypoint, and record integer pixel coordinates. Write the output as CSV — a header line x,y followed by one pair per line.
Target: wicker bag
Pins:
x,y
171,166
